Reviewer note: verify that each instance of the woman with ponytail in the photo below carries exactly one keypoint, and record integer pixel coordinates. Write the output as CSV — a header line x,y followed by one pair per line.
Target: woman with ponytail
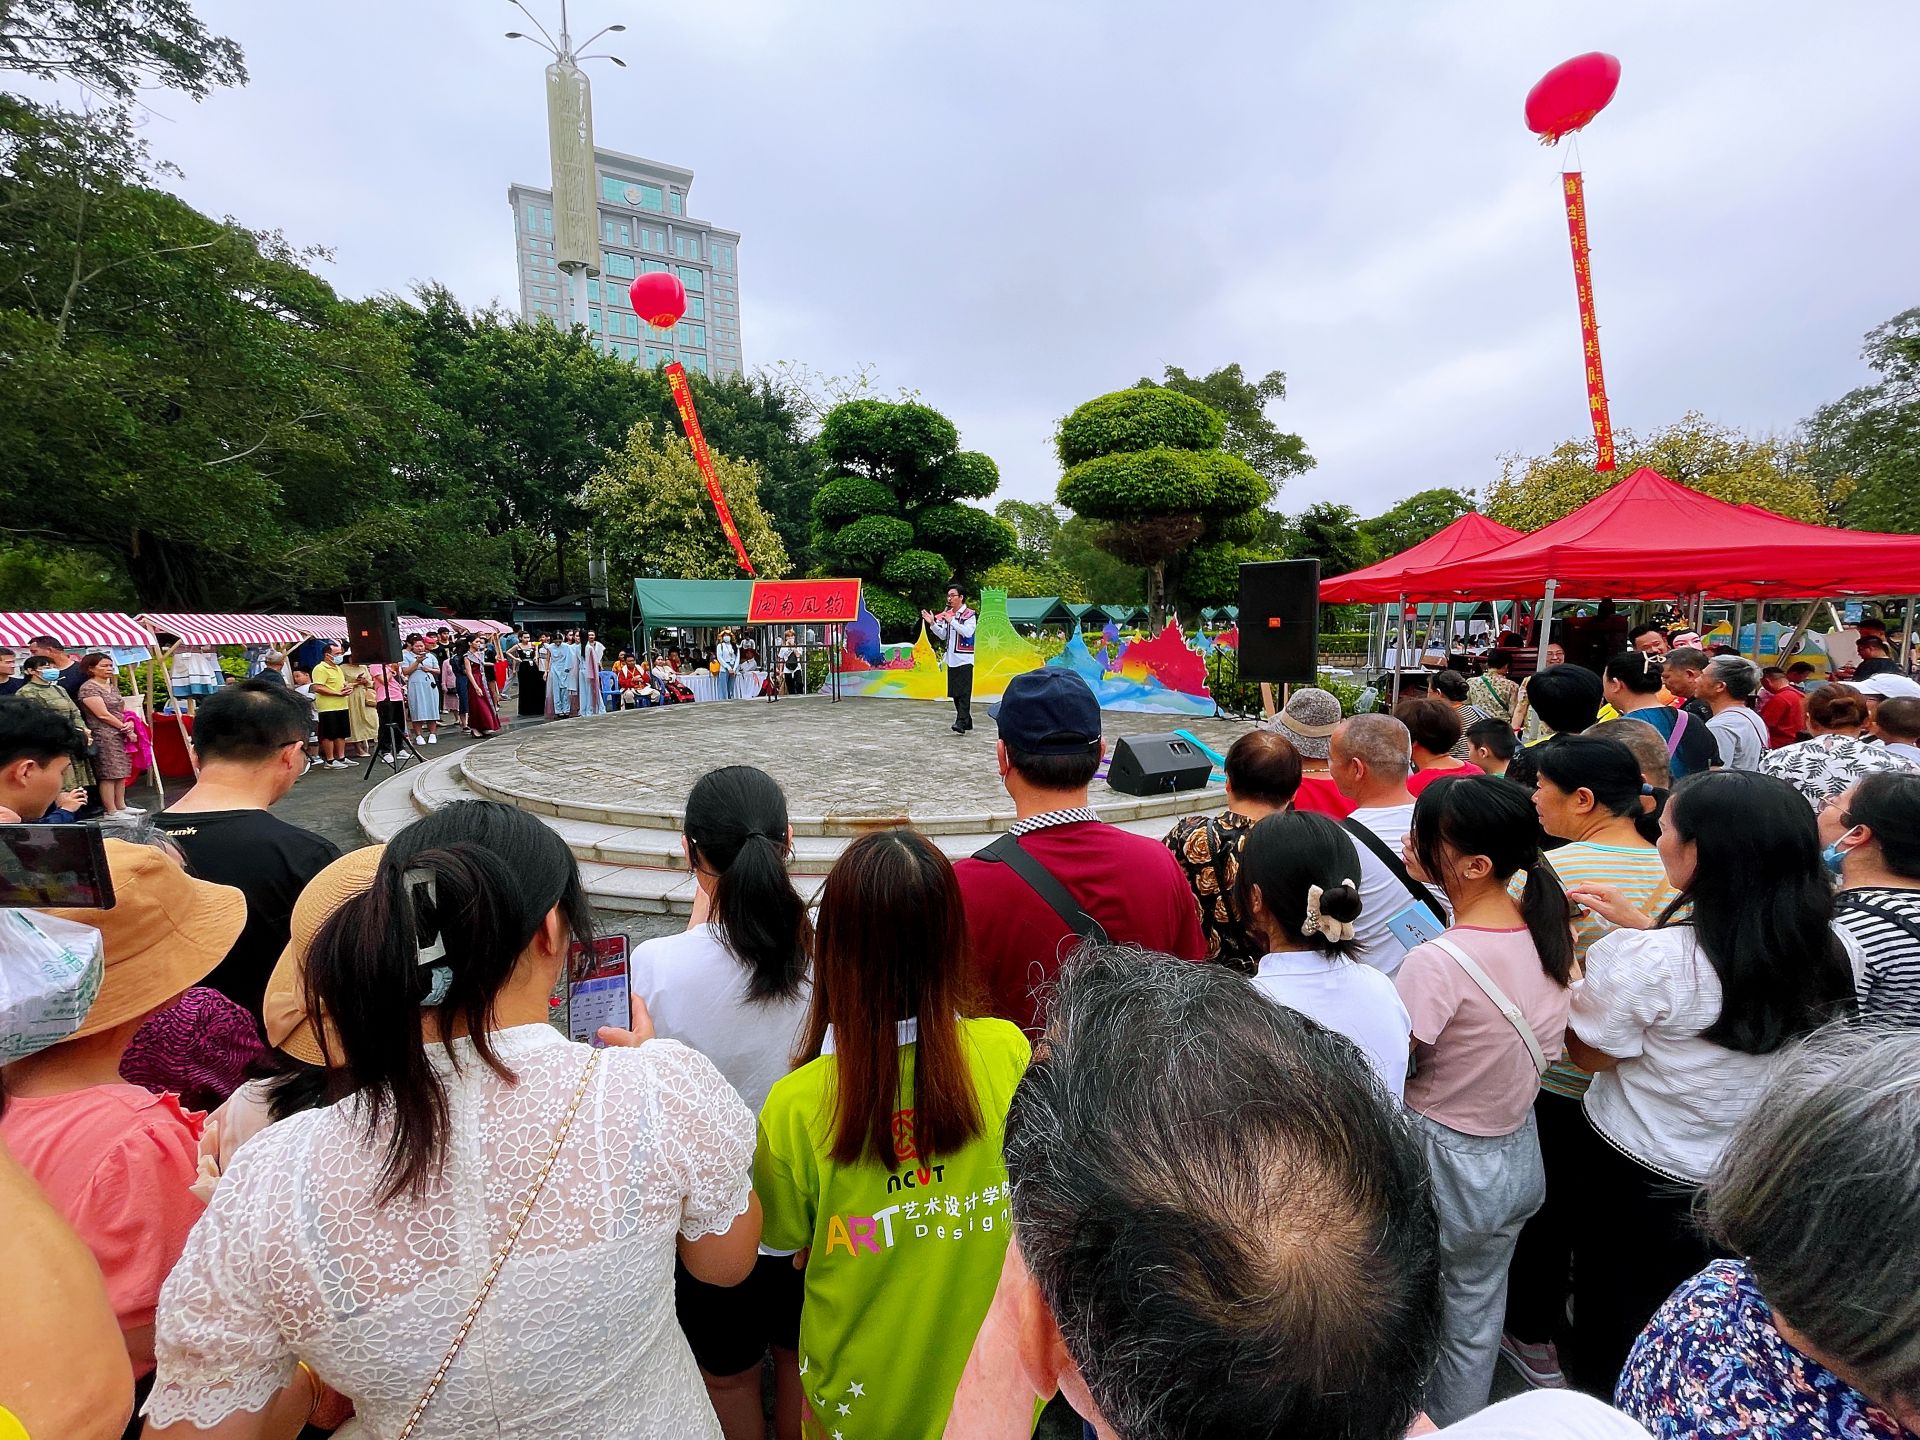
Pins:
x,y
476,1240
733,986
1593,795
1299,887
1489,1006
879,1158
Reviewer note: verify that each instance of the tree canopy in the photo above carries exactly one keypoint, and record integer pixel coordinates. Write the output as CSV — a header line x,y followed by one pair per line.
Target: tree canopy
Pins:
x,y
117,48
1145,463
1769,471
1409,521
649,506
1864,448
892,512
1242,405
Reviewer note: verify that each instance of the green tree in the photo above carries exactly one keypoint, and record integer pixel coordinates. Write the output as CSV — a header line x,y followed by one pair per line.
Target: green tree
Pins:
x,y
1049,577
1864,448
1251,433
1105,579
1413,519
1037,526
1146,462
1768,471
117,48
185,400
891,510
1330,533
649,506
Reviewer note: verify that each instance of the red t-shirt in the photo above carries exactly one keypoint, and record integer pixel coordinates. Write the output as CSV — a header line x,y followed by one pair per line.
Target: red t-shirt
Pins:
x,y
1131,884
1785,712
1318,795
1420,779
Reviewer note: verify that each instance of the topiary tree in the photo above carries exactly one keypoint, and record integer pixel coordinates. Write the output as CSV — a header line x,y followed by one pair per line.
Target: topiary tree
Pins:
x,y
1147,464
892,513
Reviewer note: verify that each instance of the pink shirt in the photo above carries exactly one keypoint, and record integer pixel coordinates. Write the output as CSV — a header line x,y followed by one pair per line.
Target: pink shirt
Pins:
x,y
1475,1074
118,1163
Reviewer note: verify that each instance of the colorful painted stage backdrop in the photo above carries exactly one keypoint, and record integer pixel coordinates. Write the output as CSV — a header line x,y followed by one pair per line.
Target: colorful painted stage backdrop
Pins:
x,y
1163,675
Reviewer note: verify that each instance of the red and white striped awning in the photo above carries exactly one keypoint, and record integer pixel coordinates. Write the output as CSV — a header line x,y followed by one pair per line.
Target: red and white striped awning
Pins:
x,y
219,629
321,627
481,627
75,629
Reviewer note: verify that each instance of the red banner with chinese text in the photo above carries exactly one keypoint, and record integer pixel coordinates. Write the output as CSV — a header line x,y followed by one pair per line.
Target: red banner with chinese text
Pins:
x,y
683,401
831,602
1589,325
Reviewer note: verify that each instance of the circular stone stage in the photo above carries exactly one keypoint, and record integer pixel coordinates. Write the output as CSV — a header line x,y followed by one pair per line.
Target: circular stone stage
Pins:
x,y
615,786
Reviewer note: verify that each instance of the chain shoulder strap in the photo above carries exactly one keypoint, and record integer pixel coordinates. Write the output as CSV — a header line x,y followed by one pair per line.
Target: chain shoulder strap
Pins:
x,y
514,1226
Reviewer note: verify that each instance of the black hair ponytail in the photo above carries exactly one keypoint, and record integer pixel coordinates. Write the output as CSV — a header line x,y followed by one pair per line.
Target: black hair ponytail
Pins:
x,y
1490,816
1289,853
474,882
736,827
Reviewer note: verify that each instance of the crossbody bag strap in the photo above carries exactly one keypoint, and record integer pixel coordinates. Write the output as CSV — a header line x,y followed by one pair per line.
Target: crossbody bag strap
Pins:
x,y
1500,1001
1008,851
1891,916
1487,685
1415,890
514,1227
1680,722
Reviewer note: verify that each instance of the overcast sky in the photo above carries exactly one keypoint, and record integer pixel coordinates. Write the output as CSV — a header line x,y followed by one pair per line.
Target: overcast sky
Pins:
x,y
1014,207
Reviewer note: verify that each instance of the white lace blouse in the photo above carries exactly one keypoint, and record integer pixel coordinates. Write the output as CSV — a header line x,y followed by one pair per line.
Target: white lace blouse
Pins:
x,y
293,1260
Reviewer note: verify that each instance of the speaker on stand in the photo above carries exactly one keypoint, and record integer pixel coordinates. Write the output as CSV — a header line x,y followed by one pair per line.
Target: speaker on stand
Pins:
x,y
373,638
1280,621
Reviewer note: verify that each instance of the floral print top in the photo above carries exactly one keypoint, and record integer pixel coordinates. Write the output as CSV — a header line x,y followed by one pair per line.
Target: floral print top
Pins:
x,y
1208,849
1711,1363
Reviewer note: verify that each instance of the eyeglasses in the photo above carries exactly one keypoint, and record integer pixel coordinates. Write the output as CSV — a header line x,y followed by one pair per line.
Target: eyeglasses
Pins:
x,y
1826,803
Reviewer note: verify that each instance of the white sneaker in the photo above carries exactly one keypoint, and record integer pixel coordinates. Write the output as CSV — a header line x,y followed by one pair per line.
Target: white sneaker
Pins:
x,y
434,739
132,812
386,757
339,765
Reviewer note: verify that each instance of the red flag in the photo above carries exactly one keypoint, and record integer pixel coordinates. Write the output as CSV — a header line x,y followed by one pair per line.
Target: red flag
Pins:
x,y
1589,325
683,402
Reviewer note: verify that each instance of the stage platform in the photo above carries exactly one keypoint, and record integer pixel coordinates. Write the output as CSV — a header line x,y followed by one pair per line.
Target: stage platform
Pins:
x,y
615,786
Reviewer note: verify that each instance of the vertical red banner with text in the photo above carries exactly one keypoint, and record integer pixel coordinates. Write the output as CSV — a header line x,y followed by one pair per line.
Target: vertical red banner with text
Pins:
x,y
1576,200
696,438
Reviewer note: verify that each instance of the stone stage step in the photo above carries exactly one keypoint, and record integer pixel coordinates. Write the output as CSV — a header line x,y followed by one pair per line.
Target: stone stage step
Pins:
x,y
613,786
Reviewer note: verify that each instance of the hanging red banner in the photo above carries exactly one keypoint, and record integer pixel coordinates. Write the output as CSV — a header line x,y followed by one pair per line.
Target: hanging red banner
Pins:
x,y
1589,325
683,402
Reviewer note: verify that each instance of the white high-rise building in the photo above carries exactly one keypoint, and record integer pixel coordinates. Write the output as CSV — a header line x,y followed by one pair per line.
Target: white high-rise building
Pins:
x,y
645,225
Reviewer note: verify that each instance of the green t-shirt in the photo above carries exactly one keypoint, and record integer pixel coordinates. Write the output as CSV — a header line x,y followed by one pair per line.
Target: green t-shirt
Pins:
x,y
903,1263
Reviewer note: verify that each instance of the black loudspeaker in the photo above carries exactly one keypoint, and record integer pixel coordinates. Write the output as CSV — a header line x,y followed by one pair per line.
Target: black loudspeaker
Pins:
x,y
1156,765
1280,621
373,631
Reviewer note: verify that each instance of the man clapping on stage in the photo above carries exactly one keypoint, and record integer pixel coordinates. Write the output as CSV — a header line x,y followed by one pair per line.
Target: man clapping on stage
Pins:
x,y
955,626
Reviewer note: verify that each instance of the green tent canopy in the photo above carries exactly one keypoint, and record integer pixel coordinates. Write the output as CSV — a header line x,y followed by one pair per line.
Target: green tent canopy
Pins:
x,y
690,604
1039,610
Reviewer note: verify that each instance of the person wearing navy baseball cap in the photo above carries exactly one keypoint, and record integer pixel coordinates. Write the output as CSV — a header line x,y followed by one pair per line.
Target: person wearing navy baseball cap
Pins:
x,y
1060,873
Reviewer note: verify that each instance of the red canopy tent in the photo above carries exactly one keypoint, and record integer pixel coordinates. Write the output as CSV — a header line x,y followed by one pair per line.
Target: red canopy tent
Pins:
x,y
1647,538
1385,582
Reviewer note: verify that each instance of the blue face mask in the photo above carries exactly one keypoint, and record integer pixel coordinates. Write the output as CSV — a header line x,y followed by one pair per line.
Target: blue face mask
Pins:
x,y
1834,856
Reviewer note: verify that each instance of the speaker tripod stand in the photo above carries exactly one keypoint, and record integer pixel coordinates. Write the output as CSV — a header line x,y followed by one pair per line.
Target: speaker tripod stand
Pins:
x,y
388,749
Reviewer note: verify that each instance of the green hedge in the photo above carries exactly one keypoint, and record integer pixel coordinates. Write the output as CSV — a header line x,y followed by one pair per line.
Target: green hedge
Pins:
x,y
868,543
1137,483
848,498
1344,642
969,475
1139,419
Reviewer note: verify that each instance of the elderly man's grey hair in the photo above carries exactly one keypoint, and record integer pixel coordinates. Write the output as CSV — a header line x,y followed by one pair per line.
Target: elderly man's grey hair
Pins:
x,y
1380,740
1820,1191
1739,674
1227,1216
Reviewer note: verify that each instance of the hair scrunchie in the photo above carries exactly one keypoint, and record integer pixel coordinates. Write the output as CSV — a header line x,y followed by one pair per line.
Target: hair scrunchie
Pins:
x,y
1324,926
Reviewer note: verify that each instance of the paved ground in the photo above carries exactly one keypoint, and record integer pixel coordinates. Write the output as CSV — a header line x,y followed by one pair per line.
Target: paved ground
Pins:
x,y
858,760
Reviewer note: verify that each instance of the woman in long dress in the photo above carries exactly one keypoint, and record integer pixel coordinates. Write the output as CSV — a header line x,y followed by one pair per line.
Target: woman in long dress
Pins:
x,y
593,657
363,715
563,676
533,679
483,717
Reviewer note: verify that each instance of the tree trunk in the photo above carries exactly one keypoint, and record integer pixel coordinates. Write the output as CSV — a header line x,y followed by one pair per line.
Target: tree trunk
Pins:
x,y
1156,596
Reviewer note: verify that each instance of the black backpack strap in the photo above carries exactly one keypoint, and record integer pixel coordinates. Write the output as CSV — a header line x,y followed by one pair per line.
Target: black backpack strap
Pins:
x,y
1860,905
1386,857
1008,851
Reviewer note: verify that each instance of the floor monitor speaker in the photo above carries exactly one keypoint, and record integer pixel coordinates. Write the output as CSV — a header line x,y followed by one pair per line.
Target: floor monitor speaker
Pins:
x,y
1157,765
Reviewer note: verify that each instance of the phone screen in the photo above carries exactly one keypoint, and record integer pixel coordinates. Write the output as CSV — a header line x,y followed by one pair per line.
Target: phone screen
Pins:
x,y
600,997
54,865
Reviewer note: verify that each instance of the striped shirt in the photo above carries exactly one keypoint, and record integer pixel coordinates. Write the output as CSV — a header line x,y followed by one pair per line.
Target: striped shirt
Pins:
x,y
1886,922
1638,872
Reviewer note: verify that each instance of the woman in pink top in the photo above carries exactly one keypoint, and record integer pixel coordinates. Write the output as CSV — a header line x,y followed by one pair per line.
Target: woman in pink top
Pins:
x,y
117,1161
1488,1001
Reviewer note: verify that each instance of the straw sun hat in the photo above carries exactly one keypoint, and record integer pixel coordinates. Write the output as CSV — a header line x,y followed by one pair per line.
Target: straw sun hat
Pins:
x,y
165,933
1309,720
284,1007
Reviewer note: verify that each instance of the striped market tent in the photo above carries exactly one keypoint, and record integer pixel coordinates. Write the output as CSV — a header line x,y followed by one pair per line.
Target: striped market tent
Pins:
x,y
481,627
219,629
76,629
321,627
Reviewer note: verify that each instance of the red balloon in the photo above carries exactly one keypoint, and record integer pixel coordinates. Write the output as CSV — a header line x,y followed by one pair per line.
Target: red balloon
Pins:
x,y
1571,94
659,299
